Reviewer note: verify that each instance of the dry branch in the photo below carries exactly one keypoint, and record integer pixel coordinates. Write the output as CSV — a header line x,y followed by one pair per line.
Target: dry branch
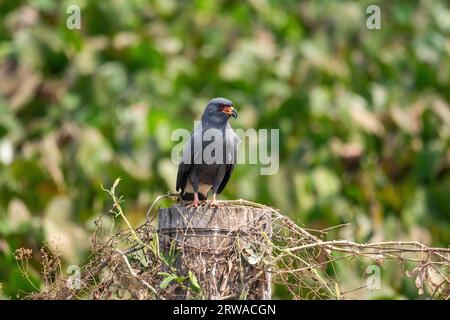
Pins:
x,y
128,263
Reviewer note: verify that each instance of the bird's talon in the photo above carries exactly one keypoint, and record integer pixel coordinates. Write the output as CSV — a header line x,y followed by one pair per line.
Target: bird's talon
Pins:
x,y
215,204
194,204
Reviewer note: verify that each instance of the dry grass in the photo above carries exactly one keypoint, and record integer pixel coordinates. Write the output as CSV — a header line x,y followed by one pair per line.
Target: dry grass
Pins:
x,y
129,264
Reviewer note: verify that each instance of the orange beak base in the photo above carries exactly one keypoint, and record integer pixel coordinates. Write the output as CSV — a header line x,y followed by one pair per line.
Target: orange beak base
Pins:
x,y
230,111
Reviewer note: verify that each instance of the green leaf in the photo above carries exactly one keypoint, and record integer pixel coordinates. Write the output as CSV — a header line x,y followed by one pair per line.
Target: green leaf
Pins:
x,y
243,295
180,280
194,283
116,183
165,274
167,281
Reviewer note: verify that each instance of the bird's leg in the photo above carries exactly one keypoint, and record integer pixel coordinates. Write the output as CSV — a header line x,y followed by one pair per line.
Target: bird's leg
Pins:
x,y
216,185
194,181
214,203
195,203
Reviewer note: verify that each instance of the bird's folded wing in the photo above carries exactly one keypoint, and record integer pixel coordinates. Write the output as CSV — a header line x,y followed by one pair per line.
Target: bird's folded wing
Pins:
x,y
232,146
191,154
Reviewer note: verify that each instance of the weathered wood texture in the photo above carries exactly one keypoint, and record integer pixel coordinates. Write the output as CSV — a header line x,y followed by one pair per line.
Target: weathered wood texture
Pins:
x,y
224,247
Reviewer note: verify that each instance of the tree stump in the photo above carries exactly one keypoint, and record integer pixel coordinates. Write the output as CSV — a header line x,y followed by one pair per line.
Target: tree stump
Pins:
x,y
225,248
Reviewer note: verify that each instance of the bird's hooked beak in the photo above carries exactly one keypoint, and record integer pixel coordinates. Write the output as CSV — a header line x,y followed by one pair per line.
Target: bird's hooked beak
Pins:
x,y
230,111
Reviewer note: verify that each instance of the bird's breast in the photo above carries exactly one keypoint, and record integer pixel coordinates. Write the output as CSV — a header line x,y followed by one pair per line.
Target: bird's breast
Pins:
x,y
206,173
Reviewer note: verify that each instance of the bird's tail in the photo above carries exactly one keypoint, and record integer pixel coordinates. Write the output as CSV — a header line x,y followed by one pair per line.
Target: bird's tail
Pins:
x,y
190,196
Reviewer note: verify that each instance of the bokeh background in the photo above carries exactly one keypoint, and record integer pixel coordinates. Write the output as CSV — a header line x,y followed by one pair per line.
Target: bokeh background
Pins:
x,y
364,117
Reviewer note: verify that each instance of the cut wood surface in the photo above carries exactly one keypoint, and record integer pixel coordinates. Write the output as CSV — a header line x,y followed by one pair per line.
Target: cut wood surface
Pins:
x,y
221,246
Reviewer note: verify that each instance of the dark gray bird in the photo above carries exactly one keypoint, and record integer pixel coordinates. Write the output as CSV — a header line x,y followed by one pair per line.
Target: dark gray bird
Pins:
x,y
209,155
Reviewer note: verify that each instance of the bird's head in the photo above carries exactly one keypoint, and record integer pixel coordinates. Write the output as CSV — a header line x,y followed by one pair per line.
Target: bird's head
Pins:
x,y
219,110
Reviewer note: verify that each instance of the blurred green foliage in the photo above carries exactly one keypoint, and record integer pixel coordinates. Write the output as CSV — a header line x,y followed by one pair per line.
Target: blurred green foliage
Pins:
x,y
364,116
